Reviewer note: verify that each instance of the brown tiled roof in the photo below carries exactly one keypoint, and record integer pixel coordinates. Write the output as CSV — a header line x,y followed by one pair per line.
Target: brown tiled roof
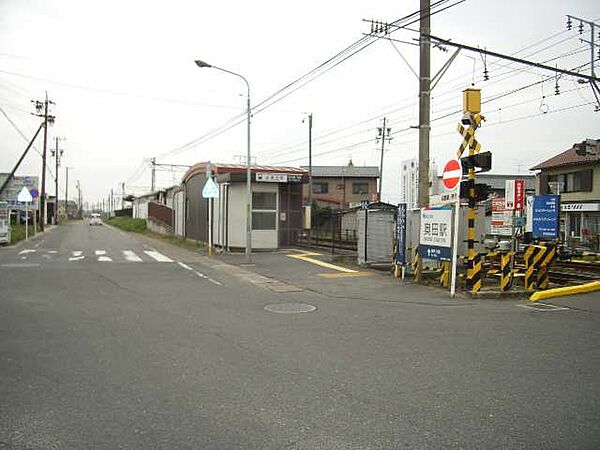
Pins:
x,y
567,158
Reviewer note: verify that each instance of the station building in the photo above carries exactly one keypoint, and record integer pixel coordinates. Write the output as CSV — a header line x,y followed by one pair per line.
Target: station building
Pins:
x,y
277,206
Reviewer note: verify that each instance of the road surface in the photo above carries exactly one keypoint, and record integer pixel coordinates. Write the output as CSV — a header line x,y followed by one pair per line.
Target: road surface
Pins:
x,y
114,340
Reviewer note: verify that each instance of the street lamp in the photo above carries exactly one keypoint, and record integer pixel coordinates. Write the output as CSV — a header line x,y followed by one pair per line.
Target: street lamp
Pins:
x,y
203,64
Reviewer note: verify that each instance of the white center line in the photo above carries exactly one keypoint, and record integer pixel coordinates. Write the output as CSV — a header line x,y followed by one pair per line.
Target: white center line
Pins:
x,y
100,252
23,252
52,251
77,253
76,258
104,258
158,256
185,266
131,256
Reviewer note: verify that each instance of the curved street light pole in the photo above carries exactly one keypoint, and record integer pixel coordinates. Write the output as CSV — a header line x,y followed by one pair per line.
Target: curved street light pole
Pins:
x,y
203,64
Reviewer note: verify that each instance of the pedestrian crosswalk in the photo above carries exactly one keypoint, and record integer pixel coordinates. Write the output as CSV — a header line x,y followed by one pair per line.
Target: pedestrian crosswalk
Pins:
x,y
99,255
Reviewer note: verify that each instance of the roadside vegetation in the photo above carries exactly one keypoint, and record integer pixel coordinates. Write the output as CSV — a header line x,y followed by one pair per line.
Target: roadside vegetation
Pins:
x,y
128,224
17,232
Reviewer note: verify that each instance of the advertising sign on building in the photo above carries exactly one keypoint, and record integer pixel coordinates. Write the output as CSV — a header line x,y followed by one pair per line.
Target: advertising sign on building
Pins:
x,y
545,222
515,194
15,186
435,235
401,234
267,177
502,218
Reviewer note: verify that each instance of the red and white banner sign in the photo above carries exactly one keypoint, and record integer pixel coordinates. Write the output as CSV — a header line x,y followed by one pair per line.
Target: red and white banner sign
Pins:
x,y
515,195
452,174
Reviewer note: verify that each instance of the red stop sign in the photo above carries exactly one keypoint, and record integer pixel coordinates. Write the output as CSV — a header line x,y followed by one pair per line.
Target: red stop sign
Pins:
x,y
452,174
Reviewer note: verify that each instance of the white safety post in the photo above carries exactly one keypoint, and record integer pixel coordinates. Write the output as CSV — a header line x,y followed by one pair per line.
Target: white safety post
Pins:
x,y
455,243
26,220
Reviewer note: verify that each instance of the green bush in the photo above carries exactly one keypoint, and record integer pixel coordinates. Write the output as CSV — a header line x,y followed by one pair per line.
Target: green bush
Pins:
x,y
128,224
17,232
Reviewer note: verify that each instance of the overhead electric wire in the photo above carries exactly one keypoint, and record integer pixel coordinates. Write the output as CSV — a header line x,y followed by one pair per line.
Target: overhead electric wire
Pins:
x,y
322,68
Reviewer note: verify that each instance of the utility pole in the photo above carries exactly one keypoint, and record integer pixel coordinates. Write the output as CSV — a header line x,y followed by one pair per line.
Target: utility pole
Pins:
x,y
57,155
67,192
424,110
123,195
593,56
48,119
310,183
79,206
383,133
153,168
112,202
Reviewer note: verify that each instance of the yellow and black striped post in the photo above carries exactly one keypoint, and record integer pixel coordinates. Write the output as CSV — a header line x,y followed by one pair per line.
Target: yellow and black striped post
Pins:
x,y
543,279
474,265
505,268
534,255
445,275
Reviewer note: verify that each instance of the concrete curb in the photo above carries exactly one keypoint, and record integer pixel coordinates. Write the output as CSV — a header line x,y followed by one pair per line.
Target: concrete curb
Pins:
x,y
564,291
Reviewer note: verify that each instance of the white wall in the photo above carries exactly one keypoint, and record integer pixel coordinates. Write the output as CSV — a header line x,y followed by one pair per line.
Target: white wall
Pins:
x,y
261,239
140,209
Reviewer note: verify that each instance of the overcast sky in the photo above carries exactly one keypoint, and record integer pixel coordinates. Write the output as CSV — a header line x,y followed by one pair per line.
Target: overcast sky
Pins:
x,y
122,76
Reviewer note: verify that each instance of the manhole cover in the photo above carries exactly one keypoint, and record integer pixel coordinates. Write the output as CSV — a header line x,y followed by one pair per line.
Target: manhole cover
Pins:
x,y
290,308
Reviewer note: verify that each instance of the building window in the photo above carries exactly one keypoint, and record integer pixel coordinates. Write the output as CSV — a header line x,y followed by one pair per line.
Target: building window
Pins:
x,y
580,181
264,220
264,210
360,188
264,200
320,188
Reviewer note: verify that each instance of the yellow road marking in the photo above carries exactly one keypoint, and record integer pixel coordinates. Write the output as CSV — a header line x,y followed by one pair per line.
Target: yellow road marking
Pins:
x,y
306,256
345,275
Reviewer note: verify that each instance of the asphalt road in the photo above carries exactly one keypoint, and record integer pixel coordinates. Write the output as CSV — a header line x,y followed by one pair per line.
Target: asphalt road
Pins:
x,y
112,340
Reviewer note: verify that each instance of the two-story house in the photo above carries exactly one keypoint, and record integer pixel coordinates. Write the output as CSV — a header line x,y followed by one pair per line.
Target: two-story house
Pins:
x,y
575,175
339,187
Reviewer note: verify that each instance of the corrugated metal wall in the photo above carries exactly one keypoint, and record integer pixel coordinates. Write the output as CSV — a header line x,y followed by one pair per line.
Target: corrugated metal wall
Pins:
x,y
196,219
376,245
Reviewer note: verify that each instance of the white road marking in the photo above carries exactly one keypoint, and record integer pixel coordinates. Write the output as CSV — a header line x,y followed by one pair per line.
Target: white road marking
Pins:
x,y
100,252
52,251
77,253
76,258
201,275
548,307
185,266
131,256
20,265
158,256
23,257
23,252
104,258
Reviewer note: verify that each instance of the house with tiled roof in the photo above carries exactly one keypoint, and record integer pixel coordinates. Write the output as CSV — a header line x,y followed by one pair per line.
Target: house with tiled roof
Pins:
x,y
342,186
574,174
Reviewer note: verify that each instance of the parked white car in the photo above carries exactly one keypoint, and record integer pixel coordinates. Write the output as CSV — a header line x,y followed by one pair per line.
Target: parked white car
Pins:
x,y
95,219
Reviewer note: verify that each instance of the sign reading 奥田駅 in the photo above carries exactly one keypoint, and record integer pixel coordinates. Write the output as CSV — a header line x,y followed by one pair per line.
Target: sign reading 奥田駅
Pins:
x,y
435,239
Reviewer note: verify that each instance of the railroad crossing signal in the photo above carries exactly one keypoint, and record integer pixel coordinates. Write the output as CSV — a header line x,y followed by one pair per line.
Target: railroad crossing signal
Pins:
x,y
471,118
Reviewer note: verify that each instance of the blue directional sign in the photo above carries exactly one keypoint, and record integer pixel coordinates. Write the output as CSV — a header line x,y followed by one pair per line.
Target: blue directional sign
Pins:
x,y
545,222
401,234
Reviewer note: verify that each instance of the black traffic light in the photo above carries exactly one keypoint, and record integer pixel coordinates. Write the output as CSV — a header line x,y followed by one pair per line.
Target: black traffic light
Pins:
x,y
482,191
481,162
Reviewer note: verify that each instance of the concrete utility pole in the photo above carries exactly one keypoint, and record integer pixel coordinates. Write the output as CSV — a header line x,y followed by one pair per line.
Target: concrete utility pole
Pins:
x,y
48,119
424,102
123,195
424,111
383,133
153,168
79,205
57,154
67,192
310,183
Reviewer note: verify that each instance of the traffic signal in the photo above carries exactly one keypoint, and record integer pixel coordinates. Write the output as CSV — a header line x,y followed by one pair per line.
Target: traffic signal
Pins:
x,y
481,161
482,191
